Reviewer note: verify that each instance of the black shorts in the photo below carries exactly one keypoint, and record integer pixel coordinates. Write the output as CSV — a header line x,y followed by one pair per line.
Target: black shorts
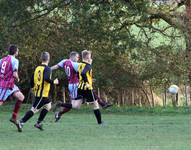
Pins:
x,y
87,95
40,102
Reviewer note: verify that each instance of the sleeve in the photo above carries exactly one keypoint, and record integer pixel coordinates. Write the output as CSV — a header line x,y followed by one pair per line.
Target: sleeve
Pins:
x,y
75,66
61,63
0,61
32,81
15,65
85,70
47,75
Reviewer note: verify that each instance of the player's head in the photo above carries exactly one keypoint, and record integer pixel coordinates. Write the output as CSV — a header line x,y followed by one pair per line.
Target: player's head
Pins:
x,y
87,56
13,50
74,56
45,57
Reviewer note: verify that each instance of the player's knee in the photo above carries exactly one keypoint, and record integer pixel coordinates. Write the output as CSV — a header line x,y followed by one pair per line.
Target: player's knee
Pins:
x,y
48,106
34,110
95,105
76,103
20,96
76,106
1,103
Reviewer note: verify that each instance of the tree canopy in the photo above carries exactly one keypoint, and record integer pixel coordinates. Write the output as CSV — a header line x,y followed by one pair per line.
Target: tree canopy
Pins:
x,y
133,41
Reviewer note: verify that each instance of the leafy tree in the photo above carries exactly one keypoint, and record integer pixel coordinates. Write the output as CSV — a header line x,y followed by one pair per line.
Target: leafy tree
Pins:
x,y
133,41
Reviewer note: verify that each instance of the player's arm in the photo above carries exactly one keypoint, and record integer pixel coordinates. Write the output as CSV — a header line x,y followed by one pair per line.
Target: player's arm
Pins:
x,y
59,65
83,74
16,76
15,70
32,81
54,67
47,76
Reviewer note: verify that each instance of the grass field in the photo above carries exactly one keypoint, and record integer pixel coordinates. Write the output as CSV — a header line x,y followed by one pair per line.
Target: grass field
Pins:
x,y
79,131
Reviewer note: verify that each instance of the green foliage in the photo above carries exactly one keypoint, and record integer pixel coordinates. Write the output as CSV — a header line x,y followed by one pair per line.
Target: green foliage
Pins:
x,y
129,47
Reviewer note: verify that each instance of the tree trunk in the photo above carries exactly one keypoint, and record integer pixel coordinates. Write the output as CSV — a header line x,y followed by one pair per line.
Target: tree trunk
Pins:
x,y
147,97
165,97
177,98
132,97
188,8
187,33
174,100
186,94
152,97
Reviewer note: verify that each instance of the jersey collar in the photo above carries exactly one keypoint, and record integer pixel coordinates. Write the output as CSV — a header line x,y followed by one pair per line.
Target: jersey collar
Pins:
x,y
44,64
85,62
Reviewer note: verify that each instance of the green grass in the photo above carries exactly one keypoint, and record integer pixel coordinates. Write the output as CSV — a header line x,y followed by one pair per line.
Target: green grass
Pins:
x,y
78,131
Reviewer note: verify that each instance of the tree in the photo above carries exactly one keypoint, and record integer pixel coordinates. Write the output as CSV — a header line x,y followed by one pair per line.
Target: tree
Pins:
x,y
131,44
177,16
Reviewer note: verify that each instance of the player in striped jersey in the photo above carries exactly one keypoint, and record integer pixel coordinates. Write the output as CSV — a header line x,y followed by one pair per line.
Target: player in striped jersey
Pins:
x,y
85,87
9,66
41,83
70,67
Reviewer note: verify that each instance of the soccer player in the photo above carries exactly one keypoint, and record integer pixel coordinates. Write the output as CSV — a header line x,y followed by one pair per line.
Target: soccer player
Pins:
x,y
85,86
9,66
41,83
71,69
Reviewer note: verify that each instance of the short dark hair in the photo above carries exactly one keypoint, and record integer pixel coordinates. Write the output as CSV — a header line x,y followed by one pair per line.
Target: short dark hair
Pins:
x,y
12,49
73,53
45,56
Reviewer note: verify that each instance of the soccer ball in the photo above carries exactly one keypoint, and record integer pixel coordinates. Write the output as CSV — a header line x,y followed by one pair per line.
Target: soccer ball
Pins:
x,y
173,89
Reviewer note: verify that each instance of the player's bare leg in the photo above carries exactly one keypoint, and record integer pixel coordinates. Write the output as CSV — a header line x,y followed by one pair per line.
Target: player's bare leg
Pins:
x,y
20,97
77,103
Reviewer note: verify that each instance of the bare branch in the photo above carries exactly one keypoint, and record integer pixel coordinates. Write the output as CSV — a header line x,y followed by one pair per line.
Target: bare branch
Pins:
x,y
144,32
163,32
46,12
173,19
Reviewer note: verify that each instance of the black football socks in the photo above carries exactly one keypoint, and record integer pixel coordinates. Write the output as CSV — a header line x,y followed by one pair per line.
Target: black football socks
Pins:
x,y
42,115
27,116
98,115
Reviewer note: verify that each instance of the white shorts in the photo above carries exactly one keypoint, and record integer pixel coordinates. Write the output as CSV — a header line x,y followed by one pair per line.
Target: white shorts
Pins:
x,y
73,90
6,92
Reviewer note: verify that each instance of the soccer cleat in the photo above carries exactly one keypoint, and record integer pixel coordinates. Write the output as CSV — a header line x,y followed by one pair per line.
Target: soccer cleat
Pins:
x,y
38,126
15,122
107,105
102,124
57,117
20,126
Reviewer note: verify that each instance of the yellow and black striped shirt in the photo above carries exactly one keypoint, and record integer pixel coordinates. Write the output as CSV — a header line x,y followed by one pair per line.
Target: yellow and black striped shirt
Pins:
x,y
41,81
85,76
